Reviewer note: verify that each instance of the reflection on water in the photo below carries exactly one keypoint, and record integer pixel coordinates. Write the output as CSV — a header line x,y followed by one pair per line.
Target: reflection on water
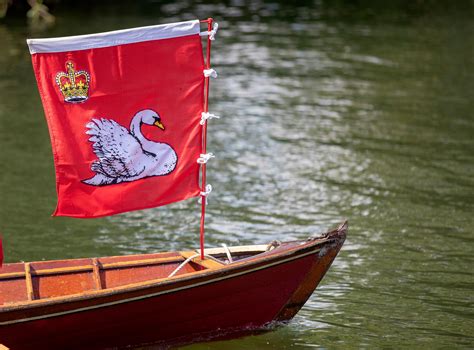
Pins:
x,y
325,117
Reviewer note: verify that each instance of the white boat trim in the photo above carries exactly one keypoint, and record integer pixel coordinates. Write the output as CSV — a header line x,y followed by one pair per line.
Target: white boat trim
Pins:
x,y
113,38
313,251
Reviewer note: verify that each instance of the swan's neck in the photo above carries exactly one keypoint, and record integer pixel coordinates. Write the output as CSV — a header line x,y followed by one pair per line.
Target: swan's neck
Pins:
x,y
148,146
135,130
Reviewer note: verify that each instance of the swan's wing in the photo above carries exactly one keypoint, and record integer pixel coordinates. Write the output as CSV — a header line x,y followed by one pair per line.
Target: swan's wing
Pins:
x,y
118,151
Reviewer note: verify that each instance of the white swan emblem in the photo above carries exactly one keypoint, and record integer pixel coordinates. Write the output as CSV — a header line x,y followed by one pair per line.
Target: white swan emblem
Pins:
x,y
127,155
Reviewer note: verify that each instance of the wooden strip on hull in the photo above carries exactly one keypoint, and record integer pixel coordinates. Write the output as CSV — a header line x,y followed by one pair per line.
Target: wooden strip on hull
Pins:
x,y
247,297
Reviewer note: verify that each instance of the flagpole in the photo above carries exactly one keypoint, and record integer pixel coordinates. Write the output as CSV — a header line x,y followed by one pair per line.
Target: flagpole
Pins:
x,y
204,135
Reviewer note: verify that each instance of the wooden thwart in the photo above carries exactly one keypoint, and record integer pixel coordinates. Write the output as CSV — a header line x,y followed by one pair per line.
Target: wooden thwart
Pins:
x,y
29,282
96,273
207,263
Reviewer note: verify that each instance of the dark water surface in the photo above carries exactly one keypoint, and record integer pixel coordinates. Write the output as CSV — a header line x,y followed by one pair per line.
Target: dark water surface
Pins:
x,y
327,114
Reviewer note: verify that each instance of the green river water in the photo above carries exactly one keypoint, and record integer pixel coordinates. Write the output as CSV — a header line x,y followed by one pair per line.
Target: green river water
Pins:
x,y
328,112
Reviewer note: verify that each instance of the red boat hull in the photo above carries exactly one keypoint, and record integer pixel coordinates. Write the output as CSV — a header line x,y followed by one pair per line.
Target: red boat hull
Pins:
x,y
245,299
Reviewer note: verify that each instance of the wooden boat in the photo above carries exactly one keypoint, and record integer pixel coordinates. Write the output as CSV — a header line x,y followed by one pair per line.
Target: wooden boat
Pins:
x,y
124,300
165,298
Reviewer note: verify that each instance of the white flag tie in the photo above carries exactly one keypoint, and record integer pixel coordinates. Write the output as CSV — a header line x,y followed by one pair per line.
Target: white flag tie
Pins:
x,y
212,33
210,73
205,193
204,157
206,115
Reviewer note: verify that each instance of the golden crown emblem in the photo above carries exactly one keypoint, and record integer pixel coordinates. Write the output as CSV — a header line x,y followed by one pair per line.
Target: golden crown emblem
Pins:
x,y
73,85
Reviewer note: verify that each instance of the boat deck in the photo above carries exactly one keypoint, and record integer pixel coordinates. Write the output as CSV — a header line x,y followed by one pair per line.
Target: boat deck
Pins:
x,y
39,280
24,282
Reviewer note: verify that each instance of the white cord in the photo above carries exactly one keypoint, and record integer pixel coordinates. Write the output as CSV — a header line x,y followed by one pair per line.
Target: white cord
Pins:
x,y
205,193
227,252
184,263
210,73
204,157
211,33
206,115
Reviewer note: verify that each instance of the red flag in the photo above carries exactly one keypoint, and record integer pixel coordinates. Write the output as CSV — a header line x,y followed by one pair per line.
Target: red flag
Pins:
x,y
123,111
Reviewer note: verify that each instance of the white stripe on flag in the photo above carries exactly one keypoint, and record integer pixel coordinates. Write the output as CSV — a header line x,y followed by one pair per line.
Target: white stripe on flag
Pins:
x,y
117,37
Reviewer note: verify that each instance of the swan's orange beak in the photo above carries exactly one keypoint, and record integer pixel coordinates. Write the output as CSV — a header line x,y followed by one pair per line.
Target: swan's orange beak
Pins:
x,y
159,124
